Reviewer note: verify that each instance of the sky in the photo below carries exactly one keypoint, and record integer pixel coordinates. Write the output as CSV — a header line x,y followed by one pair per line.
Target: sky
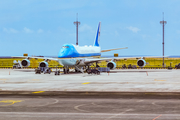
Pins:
x,y
41,27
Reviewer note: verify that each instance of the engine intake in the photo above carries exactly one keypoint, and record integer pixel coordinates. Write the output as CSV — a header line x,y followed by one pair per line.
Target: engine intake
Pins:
x,y
111,65
141,62
25,63
43,64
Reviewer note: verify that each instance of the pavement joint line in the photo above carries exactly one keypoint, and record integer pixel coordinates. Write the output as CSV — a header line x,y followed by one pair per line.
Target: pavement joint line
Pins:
x,y
57,113
35,79
90,93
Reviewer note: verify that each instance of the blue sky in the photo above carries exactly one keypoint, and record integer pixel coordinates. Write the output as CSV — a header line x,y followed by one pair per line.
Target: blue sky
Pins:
x,y
41,27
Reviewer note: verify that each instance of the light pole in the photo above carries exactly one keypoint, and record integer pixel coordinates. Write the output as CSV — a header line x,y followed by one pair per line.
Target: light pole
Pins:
x,y
163,24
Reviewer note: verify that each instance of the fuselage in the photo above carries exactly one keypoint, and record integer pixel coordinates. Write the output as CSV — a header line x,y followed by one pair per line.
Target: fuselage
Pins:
x,y
76,52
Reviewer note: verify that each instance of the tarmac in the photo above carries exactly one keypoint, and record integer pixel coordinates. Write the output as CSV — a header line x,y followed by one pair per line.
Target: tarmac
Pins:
x,y
128,94
117,82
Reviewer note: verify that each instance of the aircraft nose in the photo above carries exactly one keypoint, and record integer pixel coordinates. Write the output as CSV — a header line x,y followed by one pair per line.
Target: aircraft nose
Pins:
x,y
63,54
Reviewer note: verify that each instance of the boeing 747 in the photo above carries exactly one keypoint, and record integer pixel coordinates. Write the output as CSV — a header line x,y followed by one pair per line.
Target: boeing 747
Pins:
x,y
71,55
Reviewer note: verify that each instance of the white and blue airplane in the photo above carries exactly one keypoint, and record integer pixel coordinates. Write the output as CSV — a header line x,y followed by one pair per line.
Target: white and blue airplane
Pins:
x,y
71,55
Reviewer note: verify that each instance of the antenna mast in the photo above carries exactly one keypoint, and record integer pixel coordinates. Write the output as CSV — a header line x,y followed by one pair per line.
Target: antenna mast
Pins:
x,y
77,23
163,24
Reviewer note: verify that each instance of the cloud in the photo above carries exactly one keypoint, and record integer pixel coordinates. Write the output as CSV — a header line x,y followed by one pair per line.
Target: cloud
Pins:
x,y
27,30
178,31
10,30
133,29
40,31
145,37
85,27
116,33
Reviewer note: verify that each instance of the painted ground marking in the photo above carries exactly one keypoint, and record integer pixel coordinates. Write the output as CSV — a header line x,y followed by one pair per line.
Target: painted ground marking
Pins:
x,y
86,83
157,117
10,102
159,80
38,92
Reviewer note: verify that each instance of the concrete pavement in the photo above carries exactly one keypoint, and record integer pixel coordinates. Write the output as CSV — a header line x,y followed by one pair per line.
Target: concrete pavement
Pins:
x,y
133,80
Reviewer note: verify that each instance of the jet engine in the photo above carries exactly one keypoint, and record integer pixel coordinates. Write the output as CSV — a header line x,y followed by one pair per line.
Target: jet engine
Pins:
x,y
111,65
25,63
141,62
43,64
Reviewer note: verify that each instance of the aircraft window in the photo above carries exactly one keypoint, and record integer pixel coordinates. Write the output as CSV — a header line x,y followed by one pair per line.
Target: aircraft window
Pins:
x,y
65,46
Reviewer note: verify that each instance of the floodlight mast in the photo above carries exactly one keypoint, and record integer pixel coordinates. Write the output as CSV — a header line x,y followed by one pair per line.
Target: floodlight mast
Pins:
x,y
77,23
163,24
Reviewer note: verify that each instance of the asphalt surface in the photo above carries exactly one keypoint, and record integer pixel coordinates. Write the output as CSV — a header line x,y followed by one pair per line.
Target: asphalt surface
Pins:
x,y
120,95
81,108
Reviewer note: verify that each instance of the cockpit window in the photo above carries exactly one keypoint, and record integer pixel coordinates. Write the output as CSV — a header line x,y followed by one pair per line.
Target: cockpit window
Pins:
x,y
65,47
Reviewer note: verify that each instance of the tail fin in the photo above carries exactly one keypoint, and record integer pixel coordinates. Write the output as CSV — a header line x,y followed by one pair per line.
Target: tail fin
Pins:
x,y
96,42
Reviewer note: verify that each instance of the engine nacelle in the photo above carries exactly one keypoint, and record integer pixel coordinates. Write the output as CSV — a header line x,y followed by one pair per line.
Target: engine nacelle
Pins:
x,y
141,62
43,64
111,65
25,63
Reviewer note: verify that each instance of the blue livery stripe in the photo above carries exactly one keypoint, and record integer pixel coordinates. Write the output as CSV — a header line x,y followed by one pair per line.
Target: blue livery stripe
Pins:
x,y
96,43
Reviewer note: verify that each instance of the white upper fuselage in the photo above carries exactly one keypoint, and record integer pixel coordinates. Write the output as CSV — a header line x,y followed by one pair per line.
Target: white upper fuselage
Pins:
x,y
87,49
72,51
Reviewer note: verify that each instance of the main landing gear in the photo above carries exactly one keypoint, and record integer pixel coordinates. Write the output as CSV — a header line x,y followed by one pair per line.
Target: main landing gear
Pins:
x,y
66,70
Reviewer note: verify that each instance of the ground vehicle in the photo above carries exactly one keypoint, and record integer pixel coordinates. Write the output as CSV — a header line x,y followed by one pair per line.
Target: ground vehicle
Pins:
x,y
37,71
57,72
93,71
17,65
104,69
124,66
40,70
177,66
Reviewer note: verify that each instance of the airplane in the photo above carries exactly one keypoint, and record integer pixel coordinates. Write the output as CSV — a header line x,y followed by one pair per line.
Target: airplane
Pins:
x,y
80,57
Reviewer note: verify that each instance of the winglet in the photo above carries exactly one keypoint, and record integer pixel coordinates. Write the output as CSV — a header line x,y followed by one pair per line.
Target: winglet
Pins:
x,y
96,42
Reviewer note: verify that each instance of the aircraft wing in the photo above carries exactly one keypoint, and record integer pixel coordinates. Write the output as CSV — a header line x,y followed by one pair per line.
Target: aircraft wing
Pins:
x,y
45,58
86,60
113,49
91,60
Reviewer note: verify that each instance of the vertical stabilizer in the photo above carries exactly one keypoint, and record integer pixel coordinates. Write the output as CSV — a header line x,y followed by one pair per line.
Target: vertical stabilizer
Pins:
x,y
97,39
